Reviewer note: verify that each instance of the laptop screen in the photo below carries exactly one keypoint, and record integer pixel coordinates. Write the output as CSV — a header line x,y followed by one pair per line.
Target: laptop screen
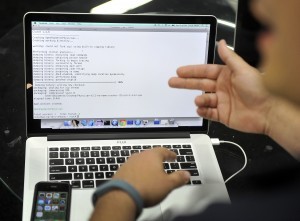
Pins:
x,y
108,74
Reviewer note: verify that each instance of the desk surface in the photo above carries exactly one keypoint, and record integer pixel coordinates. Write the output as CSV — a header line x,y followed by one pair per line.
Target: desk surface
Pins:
x,y
263,154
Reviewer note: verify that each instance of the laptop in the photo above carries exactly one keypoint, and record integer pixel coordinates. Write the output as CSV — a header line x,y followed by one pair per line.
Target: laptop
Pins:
x,y
97,92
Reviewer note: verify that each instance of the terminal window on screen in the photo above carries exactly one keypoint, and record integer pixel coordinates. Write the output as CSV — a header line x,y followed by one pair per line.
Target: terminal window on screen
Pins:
x,y
90,74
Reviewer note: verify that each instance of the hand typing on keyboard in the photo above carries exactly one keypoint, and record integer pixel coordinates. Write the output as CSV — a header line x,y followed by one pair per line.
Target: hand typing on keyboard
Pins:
x,y
145,172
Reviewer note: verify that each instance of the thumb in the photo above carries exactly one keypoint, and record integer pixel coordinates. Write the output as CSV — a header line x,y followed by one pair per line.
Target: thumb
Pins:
x,y
179,178
230,58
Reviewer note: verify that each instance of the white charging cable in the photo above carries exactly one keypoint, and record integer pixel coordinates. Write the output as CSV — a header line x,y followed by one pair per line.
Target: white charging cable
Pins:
x,y
216,141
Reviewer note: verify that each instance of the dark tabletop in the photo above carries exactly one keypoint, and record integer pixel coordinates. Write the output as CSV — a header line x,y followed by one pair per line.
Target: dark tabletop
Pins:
x,y
264,155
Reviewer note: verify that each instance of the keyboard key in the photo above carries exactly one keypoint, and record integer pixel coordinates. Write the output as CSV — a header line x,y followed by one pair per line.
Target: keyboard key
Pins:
x,y
96,148
114,153
104,153
64,154
76,184
84,154
53,154
146,147
64,149
180,159
88,176
78,176
193,172
99,182
186,146
110,160
72,168
166,166
170,171
69,161
103,167
174,165
188,165
83,168
61,176
100,160
80,161
186,152
95,154
90,161
68,182
157,145
106,148
114,167
176,146
167,146
190,158
109,174
99,175
121,160
88,184
125,153
126,147
74,154
93,168
85,148
116,147
75,148
134,151
56,162
137,147
58,169
196,182
53,149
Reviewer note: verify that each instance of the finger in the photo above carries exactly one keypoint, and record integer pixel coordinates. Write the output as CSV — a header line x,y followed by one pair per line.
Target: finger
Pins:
x,y
165,154
230,58
209,113
209,71
207,100
207,85
179,178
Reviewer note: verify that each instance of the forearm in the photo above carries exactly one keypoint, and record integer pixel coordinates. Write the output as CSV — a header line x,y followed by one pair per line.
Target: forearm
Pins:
x,y
116,205
284,126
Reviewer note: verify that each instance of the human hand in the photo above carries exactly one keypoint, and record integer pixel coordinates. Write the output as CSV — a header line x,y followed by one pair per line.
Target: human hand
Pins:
x,y
145,173
237,99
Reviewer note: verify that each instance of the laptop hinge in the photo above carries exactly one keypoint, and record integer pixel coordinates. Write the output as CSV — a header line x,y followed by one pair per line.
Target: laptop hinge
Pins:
x,y
117,136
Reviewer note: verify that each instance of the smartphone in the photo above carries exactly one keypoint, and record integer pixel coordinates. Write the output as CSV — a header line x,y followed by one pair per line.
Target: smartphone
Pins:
x,y
51,201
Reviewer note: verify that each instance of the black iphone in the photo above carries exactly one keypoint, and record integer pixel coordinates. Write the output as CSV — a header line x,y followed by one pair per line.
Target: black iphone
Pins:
x,y
51,201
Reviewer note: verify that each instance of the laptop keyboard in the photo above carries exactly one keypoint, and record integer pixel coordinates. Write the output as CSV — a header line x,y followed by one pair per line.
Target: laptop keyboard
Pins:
x,y
88,167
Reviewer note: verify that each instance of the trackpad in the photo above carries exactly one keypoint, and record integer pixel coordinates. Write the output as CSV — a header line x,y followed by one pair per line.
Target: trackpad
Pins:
x,y
188,200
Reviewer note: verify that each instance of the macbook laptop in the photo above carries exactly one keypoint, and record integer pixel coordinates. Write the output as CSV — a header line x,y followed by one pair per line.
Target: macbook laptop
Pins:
x,y
97,92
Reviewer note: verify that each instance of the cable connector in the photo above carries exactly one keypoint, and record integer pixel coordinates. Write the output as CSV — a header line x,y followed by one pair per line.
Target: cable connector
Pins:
x,y
215,141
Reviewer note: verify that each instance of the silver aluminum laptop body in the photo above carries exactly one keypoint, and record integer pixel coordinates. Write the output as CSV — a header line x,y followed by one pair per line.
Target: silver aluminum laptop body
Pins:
x,y
69,111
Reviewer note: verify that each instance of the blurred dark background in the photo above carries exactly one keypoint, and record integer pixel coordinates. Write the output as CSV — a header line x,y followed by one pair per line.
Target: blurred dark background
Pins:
x,y
264,155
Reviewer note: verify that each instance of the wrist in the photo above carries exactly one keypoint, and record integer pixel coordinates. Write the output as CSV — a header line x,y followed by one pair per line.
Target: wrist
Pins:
x,y
118,197
276,114
283,124
121,186
115,205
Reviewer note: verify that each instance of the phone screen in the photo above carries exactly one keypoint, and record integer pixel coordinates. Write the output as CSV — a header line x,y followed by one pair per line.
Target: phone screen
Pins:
x,y
51,205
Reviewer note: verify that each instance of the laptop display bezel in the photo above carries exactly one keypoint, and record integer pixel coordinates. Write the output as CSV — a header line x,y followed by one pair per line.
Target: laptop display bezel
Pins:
x,y
33,126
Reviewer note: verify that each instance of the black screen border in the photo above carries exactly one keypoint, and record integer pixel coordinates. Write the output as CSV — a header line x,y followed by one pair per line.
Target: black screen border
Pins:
x,y
33,126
